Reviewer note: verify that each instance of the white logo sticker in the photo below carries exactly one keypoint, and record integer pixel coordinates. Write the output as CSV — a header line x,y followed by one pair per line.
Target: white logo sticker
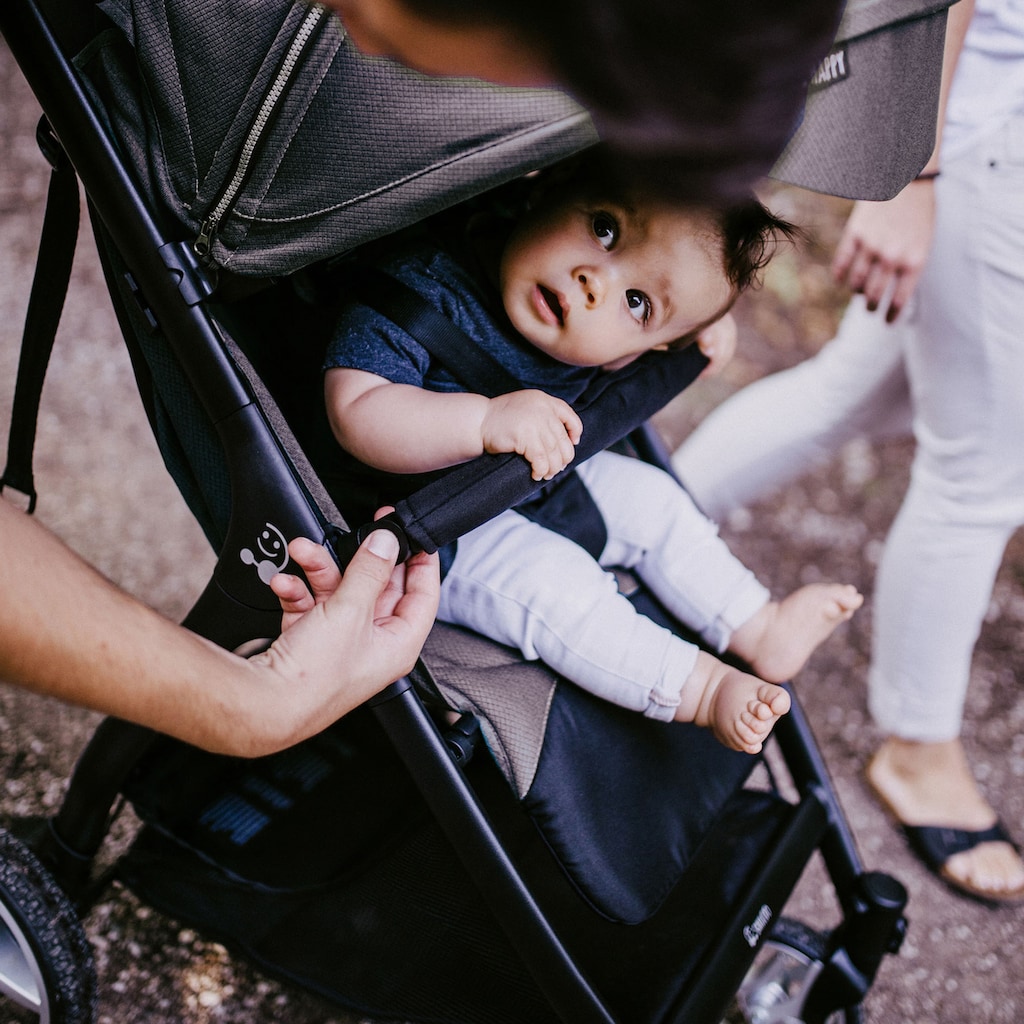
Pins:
x,y
270,556
753,932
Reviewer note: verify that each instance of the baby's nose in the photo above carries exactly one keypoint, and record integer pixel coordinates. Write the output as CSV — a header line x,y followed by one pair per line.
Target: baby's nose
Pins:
x,y
590,283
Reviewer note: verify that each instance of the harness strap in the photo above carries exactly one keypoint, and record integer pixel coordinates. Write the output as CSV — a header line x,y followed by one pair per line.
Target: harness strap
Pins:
x,y
46,302
474,367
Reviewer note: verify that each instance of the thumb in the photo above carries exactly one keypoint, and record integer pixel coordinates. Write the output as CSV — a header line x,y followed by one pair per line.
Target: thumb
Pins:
x,y
371,566
382,544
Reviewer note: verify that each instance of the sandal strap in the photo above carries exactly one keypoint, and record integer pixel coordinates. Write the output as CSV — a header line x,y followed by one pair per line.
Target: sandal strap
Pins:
x,y
936,844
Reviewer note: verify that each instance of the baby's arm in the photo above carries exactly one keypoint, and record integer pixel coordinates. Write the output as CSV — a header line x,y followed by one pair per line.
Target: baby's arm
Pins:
x,y
402,428
406,429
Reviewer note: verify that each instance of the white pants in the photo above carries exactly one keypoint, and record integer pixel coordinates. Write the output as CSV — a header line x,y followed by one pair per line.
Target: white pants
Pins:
x,y
954,367
530,588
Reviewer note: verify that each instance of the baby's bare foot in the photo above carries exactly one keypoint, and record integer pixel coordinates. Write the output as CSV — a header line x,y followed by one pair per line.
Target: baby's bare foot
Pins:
x,y
739,709
779,639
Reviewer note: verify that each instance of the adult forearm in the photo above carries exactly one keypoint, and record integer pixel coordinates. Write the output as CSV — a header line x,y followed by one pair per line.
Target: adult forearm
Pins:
x,y
67,632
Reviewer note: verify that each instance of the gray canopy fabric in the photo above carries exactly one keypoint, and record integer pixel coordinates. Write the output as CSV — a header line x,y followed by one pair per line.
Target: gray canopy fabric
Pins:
x,y
266,119
869,124
274,143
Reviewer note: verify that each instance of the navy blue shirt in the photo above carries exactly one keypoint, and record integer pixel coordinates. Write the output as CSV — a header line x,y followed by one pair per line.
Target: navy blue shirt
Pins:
x,y
366,340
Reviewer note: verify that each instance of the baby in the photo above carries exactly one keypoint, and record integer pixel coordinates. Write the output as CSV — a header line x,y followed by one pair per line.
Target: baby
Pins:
x,y
588,280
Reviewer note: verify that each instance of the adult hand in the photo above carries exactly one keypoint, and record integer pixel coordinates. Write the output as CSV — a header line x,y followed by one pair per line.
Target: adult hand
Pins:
x,y
71,634
884,247
348,636
402,588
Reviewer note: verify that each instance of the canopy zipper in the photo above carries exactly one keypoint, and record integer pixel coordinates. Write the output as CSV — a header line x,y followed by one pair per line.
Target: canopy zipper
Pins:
x,y
204,242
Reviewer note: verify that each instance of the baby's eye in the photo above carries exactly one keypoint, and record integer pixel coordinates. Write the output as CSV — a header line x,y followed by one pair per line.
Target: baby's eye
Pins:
x,y
606,229
639,305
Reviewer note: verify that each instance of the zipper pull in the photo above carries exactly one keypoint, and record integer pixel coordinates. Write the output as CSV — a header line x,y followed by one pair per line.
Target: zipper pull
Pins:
x,y
204,242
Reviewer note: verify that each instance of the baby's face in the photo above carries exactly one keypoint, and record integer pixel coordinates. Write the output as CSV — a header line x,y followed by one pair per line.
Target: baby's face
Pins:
x,y
600,284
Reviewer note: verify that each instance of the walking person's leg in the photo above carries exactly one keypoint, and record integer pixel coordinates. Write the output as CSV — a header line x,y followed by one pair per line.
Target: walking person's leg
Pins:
x,y
788,423
965,364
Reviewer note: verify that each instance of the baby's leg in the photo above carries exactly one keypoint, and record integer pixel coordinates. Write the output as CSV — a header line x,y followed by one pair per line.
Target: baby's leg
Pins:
x,y
530,588
739,709
778,640
656,530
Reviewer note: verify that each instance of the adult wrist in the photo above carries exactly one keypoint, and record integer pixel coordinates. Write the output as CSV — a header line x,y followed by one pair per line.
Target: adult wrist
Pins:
x,y
927,175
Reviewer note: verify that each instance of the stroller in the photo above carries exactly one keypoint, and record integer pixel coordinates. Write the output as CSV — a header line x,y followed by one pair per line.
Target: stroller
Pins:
x,y
398,864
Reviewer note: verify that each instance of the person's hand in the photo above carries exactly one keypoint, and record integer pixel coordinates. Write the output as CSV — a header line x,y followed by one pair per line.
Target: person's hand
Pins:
x,y
884,247
543,429
356,632
718,343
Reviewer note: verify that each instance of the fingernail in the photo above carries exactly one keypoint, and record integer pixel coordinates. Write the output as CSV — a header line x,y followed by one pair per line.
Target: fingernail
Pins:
x,y
383,543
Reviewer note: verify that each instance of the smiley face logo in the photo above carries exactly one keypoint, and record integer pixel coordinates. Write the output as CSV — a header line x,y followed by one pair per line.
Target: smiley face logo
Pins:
x,y
271,554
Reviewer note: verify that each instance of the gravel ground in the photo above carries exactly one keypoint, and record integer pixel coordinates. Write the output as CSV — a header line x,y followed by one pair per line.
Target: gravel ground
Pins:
x,y
103,489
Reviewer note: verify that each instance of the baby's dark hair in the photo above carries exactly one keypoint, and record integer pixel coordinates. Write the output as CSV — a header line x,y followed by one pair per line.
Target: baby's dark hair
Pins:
x,y
750,235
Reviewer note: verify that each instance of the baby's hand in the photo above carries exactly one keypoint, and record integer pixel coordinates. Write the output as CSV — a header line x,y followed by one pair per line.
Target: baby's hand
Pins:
x,y
718,343
543,429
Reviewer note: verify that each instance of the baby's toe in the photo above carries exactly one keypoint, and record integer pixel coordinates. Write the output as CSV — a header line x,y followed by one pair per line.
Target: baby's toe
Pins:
x,y
757,721
748,739
775,699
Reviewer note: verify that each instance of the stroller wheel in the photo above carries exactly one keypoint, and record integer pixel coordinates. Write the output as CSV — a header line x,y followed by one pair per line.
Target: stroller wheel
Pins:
x,y
46,964
775,987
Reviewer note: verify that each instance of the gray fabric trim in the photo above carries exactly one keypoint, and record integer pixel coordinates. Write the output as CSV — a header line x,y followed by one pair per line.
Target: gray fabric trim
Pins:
x,y
511,697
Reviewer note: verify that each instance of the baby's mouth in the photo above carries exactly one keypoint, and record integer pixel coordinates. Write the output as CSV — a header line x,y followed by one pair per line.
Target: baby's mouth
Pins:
x,y
553,302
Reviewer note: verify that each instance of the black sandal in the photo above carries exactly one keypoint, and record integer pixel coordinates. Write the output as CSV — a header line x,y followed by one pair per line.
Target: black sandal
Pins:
x,y
935,844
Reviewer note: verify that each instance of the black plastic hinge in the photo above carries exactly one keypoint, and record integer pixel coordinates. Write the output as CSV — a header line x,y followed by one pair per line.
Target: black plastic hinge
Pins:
x,y
195,283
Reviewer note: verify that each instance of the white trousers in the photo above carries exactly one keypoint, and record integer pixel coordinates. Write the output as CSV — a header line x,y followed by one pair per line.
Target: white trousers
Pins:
x,y
530,588
953,367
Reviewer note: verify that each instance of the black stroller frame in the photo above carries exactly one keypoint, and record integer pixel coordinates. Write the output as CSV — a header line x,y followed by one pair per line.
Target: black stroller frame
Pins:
x,y
272,483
